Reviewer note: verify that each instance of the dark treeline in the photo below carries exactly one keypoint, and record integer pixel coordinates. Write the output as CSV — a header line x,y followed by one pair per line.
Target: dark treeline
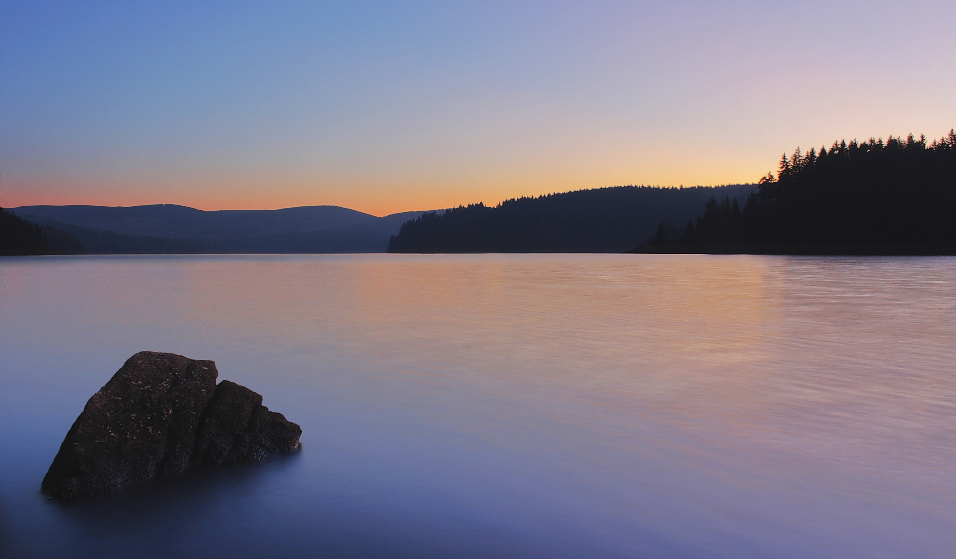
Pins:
x,y
20,237
610,219
875,197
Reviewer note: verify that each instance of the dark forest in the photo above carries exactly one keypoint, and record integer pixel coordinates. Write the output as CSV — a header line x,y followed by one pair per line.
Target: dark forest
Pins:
x,y
21,237
612,219
875,197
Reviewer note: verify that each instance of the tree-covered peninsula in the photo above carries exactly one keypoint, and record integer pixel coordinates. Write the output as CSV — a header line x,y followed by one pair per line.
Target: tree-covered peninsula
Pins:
x,y
874,197
612,219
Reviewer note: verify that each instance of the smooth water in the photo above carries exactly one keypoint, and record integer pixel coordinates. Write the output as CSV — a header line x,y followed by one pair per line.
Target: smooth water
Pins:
x,y
507,405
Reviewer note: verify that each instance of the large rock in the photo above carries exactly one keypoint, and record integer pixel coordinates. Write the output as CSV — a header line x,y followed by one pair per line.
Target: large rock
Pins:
x,y
238,428
162,414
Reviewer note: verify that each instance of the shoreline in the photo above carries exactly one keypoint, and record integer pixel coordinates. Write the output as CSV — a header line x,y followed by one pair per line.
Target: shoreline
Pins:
x,y
799,250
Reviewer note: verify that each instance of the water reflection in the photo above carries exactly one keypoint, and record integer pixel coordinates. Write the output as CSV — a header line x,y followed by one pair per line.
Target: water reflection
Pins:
x,y
510,405
158,519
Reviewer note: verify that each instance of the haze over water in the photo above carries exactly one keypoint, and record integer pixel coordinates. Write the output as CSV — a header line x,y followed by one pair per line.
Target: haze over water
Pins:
x,y
507,405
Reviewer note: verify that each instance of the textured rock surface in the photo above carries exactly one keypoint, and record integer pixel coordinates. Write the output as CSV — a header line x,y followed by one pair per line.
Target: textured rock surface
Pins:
x,y
238,428
159,415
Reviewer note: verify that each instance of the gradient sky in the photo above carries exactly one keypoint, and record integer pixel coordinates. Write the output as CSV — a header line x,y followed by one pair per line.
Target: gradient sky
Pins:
x,y
393,106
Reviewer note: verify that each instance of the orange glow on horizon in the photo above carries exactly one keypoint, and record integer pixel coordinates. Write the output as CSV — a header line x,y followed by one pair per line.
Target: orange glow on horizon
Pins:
x,y
375,200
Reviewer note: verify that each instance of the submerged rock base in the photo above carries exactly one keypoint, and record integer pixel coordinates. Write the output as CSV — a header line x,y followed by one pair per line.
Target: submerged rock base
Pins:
x,y
162,414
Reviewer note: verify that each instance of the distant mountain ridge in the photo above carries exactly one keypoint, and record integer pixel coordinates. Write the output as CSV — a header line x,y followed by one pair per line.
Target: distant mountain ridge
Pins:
x,y
171,228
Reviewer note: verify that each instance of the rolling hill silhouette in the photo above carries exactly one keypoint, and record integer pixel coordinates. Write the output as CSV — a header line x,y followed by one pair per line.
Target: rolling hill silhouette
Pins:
x,y
170,228
612,219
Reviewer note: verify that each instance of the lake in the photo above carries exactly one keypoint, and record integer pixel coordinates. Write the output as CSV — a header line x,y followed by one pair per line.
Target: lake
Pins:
x,y
552,406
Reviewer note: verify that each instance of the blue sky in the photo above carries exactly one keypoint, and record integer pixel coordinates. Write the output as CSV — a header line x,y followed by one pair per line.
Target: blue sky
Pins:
x,y
394,106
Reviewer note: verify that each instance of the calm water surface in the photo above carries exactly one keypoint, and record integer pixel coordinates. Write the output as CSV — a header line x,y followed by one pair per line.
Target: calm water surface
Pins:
x,y
507,405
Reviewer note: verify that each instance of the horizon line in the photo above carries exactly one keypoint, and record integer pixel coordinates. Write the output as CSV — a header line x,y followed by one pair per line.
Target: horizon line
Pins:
x,y
678,187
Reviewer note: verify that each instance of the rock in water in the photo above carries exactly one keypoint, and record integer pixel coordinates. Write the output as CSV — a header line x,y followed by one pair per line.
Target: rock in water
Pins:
x,y
162,414
238,428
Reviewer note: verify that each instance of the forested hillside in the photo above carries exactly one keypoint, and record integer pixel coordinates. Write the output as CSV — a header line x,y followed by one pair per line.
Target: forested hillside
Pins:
x,y
610,219
875,197
18,236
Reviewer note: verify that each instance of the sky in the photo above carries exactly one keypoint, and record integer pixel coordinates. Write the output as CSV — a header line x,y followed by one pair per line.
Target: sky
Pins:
x,y
396,106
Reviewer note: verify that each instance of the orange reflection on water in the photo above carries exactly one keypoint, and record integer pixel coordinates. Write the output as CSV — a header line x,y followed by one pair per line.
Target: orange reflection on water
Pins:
x,y
781,400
